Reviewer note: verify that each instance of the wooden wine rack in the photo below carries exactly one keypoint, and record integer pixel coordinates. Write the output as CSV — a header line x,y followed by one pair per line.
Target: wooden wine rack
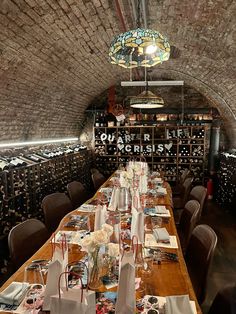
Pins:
x,y
22,189
168,148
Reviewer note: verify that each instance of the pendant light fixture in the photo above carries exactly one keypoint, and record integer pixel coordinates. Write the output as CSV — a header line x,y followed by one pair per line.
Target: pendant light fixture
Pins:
x,y
146,99
139,47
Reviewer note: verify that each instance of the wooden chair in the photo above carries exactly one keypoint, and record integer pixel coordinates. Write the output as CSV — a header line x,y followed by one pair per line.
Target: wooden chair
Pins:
x,y
98,180
225,301
55,206
188,222
198,193
199,256
25,239
94,170
181,200
176,190
77,193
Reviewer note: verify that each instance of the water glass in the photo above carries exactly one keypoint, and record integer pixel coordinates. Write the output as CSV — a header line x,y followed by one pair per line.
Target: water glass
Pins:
x,y
147,265
123,199
33,274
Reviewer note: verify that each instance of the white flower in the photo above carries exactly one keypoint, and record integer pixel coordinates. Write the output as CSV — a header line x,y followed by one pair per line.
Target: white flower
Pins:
x,y
100,237
129,174
137,168
108,229
88,244
113,249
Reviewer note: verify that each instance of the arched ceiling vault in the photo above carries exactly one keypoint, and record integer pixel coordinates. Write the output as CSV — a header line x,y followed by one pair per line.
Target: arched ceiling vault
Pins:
x,y
54,58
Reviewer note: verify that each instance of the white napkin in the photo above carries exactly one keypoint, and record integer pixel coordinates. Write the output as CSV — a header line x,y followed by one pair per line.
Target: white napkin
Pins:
x,y
161,209
150,241
178,304
86,208
158,180
14,293
161,235
161,190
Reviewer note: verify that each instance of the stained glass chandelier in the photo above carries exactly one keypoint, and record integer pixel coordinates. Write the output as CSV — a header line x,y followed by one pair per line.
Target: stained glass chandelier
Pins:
x,y
139,47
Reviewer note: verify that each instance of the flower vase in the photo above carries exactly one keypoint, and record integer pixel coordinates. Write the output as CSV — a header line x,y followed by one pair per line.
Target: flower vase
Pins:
x,y
94,270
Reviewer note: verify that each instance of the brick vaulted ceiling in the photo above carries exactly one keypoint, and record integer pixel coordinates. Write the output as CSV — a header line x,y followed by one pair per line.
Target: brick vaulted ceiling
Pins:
x,y
54,58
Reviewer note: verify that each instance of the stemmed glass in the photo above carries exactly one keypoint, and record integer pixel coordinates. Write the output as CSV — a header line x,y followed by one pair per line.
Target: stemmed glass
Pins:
x,y
34,298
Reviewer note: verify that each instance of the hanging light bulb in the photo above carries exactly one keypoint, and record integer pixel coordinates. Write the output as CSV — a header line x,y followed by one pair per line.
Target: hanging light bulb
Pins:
x,y
151,49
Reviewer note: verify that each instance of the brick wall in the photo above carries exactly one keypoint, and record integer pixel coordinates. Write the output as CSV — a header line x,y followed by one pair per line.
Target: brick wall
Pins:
x,y
54,58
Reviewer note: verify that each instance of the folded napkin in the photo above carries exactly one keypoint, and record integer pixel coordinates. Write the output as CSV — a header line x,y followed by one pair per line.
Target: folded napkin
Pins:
x,y
105,190
86,208
14,293
161,210
178,304
161,235
159,180
161,190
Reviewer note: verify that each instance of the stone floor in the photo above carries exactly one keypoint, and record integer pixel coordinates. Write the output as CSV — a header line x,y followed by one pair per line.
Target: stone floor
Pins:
x,y
223,269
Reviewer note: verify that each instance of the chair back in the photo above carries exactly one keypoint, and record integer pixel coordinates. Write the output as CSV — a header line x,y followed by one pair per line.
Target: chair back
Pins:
x,y
186,189
98,180
199,256
180,200
25,239
188,222
77,193
198,193
225,301
184,175
55,206
94,170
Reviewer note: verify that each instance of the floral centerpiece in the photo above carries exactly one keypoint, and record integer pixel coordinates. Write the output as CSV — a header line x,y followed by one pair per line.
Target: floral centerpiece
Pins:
x,y
92,244
126,178
140,172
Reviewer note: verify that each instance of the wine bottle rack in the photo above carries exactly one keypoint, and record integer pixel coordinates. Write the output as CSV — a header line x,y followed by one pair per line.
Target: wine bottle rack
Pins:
x,y
168,148
22,189
226,192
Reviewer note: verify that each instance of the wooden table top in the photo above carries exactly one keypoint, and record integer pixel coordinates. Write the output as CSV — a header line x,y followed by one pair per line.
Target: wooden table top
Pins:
x,y
168,278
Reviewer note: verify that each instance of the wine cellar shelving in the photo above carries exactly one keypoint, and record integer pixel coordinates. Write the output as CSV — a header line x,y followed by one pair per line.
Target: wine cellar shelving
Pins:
x,y
167,148
226,192
23,188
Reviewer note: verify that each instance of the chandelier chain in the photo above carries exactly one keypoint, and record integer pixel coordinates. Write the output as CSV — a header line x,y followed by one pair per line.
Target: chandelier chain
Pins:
x,y
138,15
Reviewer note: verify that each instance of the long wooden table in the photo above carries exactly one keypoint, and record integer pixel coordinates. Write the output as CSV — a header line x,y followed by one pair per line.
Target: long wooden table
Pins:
x,y
168,278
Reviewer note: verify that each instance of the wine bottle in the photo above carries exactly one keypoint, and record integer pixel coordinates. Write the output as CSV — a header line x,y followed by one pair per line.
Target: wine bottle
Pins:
x,y
97,122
